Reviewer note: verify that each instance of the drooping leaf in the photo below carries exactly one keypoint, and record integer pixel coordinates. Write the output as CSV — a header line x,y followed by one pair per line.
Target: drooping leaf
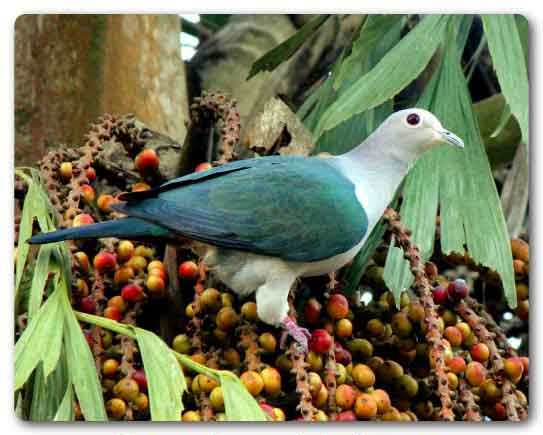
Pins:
x,y
41,341
65,411
458,181
39,280
165,378
239,405
277,55
507,54
401,65
82,367
25,232
47,393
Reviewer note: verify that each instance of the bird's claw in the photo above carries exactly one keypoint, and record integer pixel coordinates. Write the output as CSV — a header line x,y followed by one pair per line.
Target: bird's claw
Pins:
x,y
300,334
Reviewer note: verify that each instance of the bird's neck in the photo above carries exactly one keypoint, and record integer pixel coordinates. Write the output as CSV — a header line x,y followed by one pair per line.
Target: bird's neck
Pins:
x,y
376,176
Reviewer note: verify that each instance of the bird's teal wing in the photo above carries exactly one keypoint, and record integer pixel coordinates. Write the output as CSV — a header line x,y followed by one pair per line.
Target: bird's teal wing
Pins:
x,y
295,208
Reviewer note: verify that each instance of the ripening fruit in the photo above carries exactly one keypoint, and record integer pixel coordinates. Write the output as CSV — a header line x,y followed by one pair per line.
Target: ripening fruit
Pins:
x,y
137,262
248,311
346,416
88,305
401,325
147,161
341,374
389,371
464,328
267,342
188,270
145,251
217,399
227,318
253,382
513,368
453,335
453,380
181,343
440,294
66,170
232,357
189,416
132,293
125,250
113,313
82,261
526,364
522,291
382,399
205,383
489,391
320,341
88,193
140,187
360,346
278,414
155,284
104,261
523,309
104,202
109,367
315,383
141,402
123,275
337,306
415,312
480,352
520,250
127,388
203,167
391,415
363,376
272,380
345,396
91,174
82,219
475,373
407,386
321,398
116,408
456,364
117,302
458,290
314,360
139,376
344,328
365,406
82,287
210,299
375,327
312,311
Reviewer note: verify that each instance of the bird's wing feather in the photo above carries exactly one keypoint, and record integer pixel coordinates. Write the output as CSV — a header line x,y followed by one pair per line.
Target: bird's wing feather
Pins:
x,y
295,208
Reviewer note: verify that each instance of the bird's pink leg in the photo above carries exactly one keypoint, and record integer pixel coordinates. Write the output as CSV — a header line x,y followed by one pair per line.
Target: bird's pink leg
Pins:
x,y
300,334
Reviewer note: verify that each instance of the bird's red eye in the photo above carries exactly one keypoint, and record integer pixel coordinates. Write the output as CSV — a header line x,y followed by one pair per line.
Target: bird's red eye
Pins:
x,y
413,119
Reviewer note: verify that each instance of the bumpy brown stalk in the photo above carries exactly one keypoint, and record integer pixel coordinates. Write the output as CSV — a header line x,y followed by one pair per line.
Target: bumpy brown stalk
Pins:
x,y
492,326
330,368
422,285
218,108
510,399
470,408
195,324
248,341
128,344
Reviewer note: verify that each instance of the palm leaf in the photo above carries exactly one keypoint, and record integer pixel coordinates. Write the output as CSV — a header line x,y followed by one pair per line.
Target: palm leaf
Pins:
x,y
239,405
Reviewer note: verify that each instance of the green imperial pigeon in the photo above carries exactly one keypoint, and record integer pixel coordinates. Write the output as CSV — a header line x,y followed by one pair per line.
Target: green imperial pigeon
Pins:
x,y
267,221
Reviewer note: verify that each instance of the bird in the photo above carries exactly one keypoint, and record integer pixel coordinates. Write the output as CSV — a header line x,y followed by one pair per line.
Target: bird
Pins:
x,y
263,223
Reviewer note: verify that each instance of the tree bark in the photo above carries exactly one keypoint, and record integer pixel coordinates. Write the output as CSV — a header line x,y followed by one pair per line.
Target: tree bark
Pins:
x,y
69,69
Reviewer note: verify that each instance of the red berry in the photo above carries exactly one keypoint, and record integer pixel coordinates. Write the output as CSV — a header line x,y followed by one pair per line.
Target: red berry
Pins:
x,y
346,416
104,261
147,161
132,293
188,270
91,174
203,167
140,378
312,311
82,219
458,290
320,341
480,352
88,305
440,294
337,306
113,313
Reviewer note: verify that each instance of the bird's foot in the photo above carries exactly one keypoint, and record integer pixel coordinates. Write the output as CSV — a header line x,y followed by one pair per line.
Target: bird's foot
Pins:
x,y
300,334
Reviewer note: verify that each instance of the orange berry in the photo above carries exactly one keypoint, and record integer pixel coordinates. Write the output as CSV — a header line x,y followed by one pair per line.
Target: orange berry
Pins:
x,y
116,408
117,302
66,170
125,250
155,284
337,306
456,364
475,373
188,270
453,335
272,380
382,400
513,368
253,382
123,275
203,167
363,376
88,193
104,261
147,161
345,396
480,352
104,202
344,328
140,187
109,367
82,219
113,313
365,406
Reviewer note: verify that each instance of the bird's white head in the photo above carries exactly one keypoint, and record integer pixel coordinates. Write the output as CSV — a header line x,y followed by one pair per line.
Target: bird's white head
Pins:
x,y
408,133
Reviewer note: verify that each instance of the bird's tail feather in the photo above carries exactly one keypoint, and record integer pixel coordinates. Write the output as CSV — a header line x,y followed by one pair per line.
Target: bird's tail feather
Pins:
x,y
129,228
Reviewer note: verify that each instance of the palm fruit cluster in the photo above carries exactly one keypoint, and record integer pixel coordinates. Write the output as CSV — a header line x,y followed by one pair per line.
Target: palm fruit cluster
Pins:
x,y
436,354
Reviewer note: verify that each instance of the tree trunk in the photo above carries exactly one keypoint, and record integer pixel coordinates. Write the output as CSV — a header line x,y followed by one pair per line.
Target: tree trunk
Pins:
x,y
69,69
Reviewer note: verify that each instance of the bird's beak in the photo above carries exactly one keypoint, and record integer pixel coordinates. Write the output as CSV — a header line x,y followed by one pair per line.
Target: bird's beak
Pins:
x,y
448,137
